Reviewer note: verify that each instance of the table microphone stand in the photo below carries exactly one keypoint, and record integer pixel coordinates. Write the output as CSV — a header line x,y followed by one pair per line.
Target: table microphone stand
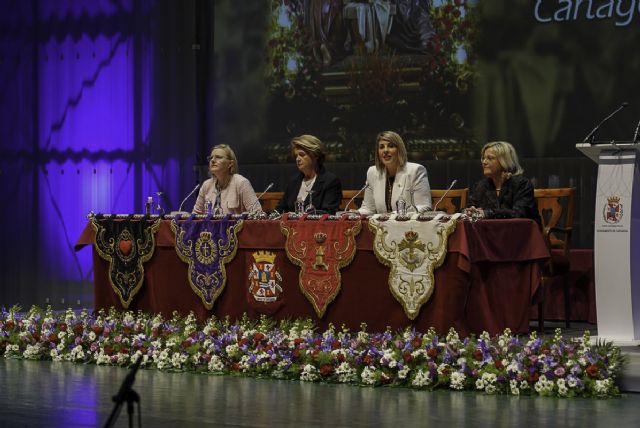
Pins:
x,y
126,393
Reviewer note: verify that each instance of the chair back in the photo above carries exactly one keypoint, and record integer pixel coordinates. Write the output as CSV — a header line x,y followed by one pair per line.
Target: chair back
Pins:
x,y
454,201
346,197
270,199
555,207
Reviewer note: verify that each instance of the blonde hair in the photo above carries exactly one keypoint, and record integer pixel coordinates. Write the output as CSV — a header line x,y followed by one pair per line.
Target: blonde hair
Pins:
x,y
310,144
395,139
230,154
507,157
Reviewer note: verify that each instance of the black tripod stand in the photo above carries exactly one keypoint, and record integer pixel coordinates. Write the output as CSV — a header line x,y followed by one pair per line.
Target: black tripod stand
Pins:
x,y
126,393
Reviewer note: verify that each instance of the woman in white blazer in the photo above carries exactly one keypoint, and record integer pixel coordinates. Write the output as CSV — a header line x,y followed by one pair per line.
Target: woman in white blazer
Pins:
x,y
392,178
226,189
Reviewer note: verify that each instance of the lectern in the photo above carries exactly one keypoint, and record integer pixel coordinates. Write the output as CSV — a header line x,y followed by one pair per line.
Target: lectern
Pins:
x,y
617,239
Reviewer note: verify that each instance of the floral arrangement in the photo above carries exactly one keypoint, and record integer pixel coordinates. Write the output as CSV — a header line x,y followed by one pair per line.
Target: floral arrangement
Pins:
x,y
505,364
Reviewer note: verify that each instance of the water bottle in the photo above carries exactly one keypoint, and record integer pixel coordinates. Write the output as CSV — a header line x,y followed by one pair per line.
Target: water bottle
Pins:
x,y
148,205
299,207
401,205
208,206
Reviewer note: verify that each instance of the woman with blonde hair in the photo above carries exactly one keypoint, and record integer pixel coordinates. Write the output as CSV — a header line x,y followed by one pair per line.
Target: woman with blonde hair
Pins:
x,y
226,189
393,178
313,186
504,192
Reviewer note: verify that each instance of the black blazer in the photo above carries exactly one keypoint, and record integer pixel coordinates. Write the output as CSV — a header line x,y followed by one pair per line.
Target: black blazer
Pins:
x,y
327,193
516,199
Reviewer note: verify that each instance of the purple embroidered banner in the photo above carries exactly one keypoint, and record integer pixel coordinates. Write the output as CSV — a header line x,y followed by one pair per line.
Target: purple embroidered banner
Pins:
x,y
206,246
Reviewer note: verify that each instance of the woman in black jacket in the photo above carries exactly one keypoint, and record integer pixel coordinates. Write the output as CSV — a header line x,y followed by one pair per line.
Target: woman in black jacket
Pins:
x,y
318,189
504,192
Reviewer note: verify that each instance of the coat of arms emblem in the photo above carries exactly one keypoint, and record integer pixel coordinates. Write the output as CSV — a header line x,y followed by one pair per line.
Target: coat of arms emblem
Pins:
x,y
612,211
265,282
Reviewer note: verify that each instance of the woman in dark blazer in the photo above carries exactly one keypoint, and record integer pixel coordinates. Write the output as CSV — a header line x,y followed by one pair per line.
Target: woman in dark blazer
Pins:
x,y
320,190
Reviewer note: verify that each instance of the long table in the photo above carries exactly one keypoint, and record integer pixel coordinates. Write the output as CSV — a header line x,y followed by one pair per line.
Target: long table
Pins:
x,y
488,280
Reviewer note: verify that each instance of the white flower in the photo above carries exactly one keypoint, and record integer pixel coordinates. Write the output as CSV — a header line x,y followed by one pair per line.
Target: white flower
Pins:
x,y
457,380
92,336
368,376
421,378
309,373
345,373
402,373
215,364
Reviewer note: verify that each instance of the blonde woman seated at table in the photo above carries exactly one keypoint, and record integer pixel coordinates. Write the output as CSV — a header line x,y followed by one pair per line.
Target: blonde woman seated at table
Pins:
x,y
504,192
226,189
393,178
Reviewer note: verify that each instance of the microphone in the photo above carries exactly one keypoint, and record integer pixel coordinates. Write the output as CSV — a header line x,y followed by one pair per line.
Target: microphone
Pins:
x,y
453,183
592,134
635,135
185,200
346,207
257,201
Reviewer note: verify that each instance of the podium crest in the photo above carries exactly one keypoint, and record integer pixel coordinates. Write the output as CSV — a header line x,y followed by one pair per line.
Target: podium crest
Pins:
x,y
613,210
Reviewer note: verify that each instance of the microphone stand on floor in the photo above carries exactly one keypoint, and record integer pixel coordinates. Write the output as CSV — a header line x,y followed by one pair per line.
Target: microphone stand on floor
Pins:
x,y
126,393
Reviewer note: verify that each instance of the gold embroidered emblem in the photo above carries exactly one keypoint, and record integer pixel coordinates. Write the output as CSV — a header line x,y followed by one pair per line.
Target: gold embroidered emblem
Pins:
x,y
412,250
206,249
319,263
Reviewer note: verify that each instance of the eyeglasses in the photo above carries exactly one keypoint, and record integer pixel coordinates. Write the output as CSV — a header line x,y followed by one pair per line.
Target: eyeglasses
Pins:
x,y
215,158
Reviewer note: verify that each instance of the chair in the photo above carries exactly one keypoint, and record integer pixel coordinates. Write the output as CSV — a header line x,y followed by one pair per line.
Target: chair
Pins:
x,y
556,212
270,199
346,197
454,201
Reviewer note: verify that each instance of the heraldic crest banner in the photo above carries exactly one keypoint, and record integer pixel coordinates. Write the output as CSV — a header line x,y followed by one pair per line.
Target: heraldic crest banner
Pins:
x,y
413,249
264,293
206,246
321,248
126,245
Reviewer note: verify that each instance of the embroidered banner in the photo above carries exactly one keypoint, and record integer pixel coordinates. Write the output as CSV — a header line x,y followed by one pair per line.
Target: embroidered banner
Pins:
x,y
206,246
412,249
321,248
126,245
264,293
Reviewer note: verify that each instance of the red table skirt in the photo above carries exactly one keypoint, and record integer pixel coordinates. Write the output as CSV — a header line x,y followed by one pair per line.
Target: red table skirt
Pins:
x,y
482,285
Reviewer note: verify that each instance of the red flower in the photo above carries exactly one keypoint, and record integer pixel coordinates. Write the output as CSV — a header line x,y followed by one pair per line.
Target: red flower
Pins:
x,y
155,332
326,369
298,341
9,324
432,352
477,355
62,327
367,360
258,337
36,336
335,345
593,370
533,377
185,344
243,341
296,354
235,367
78,329
108,350
53,337
126,329
498,364
407,357
416,342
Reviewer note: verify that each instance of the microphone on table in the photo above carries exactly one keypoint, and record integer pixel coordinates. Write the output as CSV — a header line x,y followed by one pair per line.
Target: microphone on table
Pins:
x,y
453,183
590,137
346,207
185,200
257,201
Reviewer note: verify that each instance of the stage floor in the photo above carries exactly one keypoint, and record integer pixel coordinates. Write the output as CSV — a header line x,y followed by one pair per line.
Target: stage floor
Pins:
x,y
39,394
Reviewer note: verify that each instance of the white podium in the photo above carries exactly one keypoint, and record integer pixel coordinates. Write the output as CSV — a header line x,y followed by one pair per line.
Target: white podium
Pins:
x,y
617,240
